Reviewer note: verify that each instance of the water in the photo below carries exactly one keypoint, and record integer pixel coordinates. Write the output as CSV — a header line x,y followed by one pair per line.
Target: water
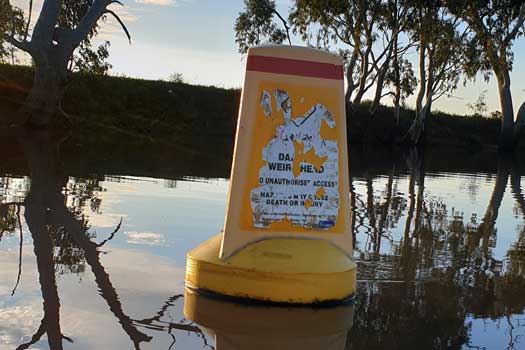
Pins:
x,y
92,254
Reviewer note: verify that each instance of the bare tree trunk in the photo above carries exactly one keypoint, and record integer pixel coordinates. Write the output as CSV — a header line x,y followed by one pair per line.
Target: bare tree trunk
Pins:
x,y
506,136
430,84
350,77
51,47
42,101
518,126
397,81
365,60
381,75
363,78
422,77
417,128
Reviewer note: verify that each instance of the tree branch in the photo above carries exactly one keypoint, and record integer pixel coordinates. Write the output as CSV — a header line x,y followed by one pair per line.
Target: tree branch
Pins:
x,y
29,19
275,12
21,45
285,26
46,23
19,219
36,337
519,24
97,9
111,235
121,23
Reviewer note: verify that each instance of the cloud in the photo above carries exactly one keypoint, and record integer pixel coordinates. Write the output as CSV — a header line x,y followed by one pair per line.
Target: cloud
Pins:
x,y
148,238
156,2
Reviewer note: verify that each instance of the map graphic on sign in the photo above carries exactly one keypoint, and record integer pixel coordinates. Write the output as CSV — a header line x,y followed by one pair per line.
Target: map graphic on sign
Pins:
x,y
299,181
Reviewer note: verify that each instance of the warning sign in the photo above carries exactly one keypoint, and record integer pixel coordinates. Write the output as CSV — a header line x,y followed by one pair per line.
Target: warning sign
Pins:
x,y
299,181
290,171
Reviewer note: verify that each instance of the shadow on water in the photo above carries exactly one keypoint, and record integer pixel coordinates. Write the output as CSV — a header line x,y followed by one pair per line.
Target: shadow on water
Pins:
x,y
426,272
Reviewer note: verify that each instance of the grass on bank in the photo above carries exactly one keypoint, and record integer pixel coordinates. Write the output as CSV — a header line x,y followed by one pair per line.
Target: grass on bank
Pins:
x,y
167,111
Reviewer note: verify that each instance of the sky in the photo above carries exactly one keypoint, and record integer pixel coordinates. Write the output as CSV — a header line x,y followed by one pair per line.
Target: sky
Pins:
x,y
196,38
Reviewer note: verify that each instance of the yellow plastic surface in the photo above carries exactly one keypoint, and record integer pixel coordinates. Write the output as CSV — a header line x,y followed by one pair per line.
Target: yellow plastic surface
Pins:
x,y
255,131
277,270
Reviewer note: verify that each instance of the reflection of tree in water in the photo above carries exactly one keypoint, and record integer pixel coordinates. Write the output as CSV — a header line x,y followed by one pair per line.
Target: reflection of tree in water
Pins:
x,y
56,227
440,271
164,322
8,219
378,215
78,192
81,191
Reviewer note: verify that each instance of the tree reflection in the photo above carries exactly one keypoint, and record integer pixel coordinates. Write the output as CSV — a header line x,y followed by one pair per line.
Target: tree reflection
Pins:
x,y
439,270
57,226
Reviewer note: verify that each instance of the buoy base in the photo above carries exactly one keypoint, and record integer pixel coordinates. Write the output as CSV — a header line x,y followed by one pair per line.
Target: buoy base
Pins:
x,y
279,271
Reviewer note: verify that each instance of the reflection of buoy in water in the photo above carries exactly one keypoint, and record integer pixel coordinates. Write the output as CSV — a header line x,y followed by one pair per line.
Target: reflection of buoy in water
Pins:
x,y
241,326
287,235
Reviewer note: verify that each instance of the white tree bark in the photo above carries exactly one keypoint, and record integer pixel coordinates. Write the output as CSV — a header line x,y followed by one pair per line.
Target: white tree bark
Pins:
x,y
506,137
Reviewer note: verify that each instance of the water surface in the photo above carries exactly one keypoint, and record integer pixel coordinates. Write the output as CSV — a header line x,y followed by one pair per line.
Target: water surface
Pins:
x,y
92,254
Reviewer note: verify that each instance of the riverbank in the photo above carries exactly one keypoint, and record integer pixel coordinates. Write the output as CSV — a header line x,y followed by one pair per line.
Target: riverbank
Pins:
x,y
169,112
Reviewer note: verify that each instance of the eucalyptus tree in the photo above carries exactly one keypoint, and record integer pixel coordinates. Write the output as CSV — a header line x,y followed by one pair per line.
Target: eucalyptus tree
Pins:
x,y
402,82
442,42
257,25
496,24
62,27
366,33
396,71
86,58
11,24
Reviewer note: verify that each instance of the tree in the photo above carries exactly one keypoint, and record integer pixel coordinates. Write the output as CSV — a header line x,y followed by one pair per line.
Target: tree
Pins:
x,y
479,107
61,28
402,80
255,25
442,54
12,24
366,33
496,24
176,78
85,59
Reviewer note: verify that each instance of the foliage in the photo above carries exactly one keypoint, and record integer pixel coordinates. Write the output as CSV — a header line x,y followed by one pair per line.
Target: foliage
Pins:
x,y
176,78
479,107
444,39
85,59
496,115
496,24
11,23
71,25
255,25
407,78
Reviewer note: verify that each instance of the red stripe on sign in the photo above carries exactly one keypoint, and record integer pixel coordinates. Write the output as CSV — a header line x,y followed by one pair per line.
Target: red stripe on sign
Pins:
x,y
288,66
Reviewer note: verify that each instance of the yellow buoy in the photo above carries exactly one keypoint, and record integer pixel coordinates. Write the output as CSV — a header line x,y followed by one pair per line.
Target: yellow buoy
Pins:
x,y
287,234
277,270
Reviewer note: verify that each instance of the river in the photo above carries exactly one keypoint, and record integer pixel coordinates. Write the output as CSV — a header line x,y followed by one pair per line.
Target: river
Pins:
x,y
92,253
